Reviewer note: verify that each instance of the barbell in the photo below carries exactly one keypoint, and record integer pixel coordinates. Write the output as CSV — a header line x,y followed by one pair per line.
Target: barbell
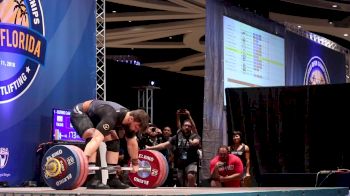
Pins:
x,y
53,168
117,167
65,167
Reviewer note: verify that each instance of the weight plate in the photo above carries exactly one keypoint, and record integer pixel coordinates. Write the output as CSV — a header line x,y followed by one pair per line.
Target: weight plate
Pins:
x,y
86,168
72,170
166,168
83,165
145,179
161,169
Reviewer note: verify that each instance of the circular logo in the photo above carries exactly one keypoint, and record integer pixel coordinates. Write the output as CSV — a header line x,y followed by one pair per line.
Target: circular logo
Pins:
x,y
105,127
316,72
22,46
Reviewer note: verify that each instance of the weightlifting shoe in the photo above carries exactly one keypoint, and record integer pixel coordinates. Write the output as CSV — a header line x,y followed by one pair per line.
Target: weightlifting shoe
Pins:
x,y
116,184
95,183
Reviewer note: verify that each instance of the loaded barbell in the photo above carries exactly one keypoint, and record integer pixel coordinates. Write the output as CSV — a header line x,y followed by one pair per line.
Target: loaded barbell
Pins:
x,y
65,167
53,168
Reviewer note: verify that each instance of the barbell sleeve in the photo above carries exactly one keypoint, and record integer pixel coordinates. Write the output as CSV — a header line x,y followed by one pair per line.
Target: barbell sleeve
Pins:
x,y
94,168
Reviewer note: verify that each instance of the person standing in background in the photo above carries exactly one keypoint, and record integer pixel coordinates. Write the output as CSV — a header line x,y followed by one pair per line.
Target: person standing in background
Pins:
x,y
186,144
187,116
169,155
241,150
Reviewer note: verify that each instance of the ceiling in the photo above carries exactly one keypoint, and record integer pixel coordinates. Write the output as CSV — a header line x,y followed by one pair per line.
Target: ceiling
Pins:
x,y
170,34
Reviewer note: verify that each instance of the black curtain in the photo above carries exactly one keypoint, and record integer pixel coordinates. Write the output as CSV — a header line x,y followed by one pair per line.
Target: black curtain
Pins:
x,y
293,129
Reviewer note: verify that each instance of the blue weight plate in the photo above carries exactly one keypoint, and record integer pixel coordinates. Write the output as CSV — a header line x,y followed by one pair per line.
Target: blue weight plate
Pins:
x,y
64,182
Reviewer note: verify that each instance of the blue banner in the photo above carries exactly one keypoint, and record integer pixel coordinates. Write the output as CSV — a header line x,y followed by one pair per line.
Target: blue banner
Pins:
x,y
23,41
47,60
308,62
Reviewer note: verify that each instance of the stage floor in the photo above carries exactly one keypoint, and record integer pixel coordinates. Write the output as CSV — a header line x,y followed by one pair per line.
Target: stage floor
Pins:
x,y
256,191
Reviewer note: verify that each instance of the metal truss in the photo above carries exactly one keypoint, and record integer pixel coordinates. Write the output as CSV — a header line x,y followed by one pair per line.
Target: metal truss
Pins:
x,y
100,50
145,99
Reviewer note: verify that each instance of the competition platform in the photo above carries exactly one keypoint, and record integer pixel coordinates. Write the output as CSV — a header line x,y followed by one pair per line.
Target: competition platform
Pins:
x,y
251,191
65,179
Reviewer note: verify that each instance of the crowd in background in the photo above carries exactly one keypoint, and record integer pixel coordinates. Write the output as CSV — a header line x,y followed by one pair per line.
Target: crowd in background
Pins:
x,y
182,149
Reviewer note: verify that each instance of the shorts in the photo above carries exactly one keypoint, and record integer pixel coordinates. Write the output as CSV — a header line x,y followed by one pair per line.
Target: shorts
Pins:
x,y
80,121
104,120
191,168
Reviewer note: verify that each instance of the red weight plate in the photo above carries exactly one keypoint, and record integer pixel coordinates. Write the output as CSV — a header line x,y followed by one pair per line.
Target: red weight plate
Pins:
x,y
162,169
83,165
166,167
145,179
164,174
86,171
86,168
81,170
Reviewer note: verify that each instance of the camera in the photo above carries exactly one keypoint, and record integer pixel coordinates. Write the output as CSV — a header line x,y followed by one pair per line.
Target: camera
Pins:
x,y
182,111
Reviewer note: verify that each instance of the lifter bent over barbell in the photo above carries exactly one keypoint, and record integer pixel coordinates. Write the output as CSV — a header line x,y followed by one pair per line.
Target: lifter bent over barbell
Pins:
x,y
96,121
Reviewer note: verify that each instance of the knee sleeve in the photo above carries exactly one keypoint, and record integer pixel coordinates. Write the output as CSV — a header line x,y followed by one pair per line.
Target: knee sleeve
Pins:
x,y
113,145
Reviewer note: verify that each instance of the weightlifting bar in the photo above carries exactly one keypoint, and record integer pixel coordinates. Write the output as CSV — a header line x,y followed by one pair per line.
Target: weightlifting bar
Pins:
x,y
53,168
92,168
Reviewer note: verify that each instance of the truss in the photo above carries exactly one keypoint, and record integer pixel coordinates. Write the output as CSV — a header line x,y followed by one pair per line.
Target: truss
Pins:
x,y
100,50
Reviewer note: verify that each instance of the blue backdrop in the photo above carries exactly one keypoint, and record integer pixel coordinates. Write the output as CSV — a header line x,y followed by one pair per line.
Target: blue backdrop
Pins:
x,y
301,52
47,60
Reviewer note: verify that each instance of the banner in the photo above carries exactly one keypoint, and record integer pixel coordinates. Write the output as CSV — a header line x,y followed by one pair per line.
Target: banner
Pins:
x,y
47,60
308,62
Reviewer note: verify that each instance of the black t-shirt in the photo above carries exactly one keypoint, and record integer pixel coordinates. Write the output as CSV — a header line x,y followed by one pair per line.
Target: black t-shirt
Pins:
x,y
96,107
240,153
184,153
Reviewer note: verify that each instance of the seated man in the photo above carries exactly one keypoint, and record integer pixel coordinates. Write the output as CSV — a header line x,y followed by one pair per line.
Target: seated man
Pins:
x,y
226,169
96,121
